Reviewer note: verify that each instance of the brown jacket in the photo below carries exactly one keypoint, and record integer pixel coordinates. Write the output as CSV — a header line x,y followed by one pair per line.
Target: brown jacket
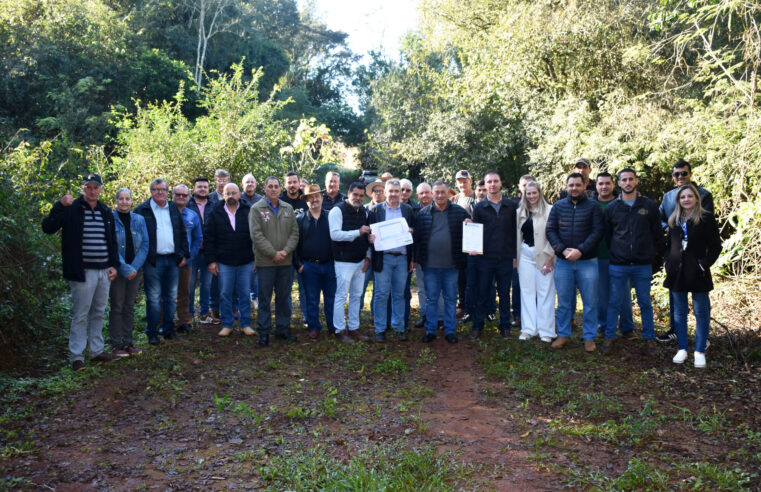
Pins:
x,y
270,233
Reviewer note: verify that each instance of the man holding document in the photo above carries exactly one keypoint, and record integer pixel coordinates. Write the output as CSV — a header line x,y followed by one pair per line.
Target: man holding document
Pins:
x,y
391,255
497,215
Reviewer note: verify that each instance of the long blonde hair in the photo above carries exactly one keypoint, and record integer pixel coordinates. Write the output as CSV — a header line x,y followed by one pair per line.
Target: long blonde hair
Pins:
x,y
541,205
679,214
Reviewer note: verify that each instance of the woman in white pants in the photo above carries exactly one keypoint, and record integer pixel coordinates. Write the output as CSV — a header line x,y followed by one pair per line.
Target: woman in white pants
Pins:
x,y
535,263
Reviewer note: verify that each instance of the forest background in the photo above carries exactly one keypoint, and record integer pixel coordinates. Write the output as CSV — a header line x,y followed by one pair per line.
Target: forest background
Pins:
x,y
177,88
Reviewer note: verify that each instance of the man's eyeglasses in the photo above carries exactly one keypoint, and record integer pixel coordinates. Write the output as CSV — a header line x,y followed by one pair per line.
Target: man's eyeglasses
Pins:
x,y
159,190
181,194
404,190
680,174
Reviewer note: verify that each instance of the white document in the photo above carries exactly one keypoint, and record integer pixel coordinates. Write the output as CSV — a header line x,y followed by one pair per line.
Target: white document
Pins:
x,y
391,234
473,238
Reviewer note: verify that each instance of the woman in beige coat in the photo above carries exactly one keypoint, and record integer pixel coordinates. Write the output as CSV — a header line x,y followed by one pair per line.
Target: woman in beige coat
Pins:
x,y
536,260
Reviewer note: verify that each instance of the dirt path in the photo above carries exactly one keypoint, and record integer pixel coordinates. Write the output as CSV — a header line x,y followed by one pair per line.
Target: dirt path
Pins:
x,y
459,415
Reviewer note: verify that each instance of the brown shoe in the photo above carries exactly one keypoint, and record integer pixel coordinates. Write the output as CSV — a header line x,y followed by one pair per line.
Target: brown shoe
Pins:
x,y
460,313
358,336
344,337
225,332
607,346
559,342
248,331
589,346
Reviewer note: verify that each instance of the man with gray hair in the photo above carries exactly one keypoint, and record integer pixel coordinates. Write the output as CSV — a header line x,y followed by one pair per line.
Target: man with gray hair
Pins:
x,y
194,229
332,195
168,252
248,194
221,178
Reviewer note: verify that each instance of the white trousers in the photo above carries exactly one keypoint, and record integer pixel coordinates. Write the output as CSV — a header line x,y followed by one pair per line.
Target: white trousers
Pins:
x,y
349,282
537,296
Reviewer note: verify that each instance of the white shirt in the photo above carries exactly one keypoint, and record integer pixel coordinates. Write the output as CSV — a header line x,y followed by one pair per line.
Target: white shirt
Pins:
x,y
164,231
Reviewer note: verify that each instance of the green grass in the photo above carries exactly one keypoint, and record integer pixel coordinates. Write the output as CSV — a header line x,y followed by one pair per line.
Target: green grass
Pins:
x,y
373,468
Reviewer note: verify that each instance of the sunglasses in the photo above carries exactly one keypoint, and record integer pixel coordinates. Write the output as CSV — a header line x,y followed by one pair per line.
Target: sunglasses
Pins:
x,y
680,174
406,190
181,194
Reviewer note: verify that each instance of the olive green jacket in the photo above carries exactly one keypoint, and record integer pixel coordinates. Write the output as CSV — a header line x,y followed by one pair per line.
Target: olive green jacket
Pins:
x,y
270,233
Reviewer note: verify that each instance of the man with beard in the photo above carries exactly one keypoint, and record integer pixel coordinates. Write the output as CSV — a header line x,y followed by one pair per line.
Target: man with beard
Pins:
x,y
230,254
202,205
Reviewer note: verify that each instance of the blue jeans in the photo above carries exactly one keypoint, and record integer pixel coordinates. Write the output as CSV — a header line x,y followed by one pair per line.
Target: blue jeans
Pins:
x,y
214,294
200,271
280,280
160,282
621,279
701,306
234,279
626,318
254,289
488,270
516,290
569,275
319,278
407,298
390,282
440,281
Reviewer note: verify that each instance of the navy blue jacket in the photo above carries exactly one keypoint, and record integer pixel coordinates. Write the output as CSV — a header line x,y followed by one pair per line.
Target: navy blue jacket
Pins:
x,y
71,220
633,234
499,230
423,225
378,214
181,248
575,225
224,245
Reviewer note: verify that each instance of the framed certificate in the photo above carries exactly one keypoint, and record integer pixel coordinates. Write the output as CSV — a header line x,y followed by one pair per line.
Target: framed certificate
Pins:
x,y
473,238
391,234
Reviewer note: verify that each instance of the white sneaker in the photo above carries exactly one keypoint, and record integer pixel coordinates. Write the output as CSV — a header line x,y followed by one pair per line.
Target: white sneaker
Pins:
x,y
680,357
546,339
523,336
700,359
255,304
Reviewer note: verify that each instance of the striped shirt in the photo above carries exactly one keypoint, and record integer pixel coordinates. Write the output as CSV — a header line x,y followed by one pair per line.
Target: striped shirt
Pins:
x,y
94,246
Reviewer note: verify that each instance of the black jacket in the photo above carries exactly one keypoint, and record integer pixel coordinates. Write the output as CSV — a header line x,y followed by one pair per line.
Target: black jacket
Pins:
x,y
575,225
378,214
71,220
499,230
633,234
181,249
305,221
192,205
423,225
224,245
690,270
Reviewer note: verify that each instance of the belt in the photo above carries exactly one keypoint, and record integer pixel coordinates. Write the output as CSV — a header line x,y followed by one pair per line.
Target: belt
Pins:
x,y
319,262
168,254
395,254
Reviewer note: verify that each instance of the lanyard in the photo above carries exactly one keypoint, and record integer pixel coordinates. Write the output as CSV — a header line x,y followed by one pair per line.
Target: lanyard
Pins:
x,y
684,231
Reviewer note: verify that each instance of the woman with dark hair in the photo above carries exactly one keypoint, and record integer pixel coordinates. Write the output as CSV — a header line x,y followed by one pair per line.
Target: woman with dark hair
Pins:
x,y
693,246
132,237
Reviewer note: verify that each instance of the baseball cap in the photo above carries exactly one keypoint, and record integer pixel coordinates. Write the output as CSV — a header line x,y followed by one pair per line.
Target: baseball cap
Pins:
x,y
582,160
462,173
92,178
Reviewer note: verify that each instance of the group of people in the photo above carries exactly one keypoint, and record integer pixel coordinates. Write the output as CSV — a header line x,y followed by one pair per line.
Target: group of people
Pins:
x,y
241,249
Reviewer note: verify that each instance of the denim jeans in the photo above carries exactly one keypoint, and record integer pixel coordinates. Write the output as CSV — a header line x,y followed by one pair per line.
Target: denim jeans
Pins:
x,y
234,279
390,282
349,279
121,318
420,275
407,298
440,281
625,318
621,277
200,275
214,293
319,277
279,280
488,270
88,311
569,275
160,282
701,306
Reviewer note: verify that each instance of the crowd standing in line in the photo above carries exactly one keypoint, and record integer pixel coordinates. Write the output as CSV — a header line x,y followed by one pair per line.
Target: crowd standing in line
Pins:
x,y
241,249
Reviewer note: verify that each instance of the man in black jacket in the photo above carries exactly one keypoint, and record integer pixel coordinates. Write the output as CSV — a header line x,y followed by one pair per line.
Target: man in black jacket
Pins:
x,y
227,242
438,248
202,204
90,257
634,237
168,252
313,259
497,214
390,267
574,229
